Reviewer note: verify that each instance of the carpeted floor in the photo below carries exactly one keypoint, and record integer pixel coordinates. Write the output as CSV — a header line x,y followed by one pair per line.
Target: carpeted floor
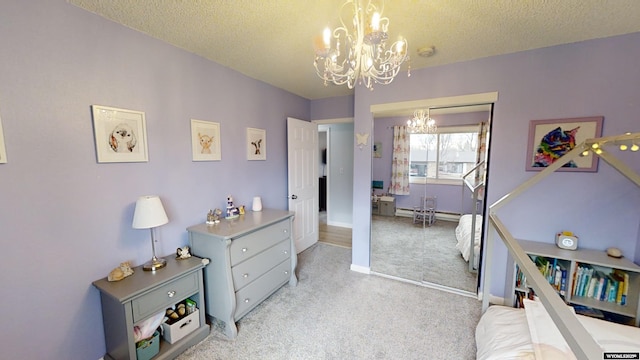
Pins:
x,y
402,249
336,313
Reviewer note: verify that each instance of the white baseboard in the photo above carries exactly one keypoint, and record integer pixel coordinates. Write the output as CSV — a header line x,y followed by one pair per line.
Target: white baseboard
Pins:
x,y
497,300
339,224
360,269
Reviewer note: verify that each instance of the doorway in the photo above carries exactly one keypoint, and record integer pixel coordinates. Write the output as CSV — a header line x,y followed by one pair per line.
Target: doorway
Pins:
x,y
335,181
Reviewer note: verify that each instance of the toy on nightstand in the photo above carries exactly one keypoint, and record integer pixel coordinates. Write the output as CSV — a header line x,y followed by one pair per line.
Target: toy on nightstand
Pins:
x,y
120,272
183,253
232,211
213,217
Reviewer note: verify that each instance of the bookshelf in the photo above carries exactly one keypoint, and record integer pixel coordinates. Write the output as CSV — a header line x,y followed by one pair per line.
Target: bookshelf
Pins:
x,y
576,289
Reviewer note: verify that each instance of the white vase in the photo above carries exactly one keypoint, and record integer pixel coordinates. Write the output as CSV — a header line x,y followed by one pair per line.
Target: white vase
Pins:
x,y
257,204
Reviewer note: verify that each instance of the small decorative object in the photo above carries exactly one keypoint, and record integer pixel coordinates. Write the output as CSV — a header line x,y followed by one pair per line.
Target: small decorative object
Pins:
x,y
241,208
614,252
213,217
121,135
120,272
257,204
232,211
567,240
183,253
205,140
362,139
256,144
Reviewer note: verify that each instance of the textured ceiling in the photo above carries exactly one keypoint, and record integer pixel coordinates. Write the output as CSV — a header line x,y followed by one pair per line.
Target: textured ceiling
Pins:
x,y
272,40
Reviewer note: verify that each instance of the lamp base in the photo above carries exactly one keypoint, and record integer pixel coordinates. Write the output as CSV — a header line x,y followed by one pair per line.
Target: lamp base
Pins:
x,y
154,264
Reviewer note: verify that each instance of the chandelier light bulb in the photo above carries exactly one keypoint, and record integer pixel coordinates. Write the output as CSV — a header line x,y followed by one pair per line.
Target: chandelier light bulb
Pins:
x,y
623,147
635,147
595,145
326,36
375,21
585,153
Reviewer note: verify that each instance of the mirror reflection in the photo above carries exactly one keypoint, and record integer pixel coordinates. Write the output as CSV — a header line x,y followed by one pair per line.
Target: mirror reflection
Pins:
x,y
427,194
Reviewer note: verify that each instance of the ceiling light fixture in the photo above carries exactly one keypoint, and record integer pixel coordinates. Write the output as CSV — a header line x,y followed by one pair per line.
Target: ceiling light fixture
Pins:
x,y
421,123
359,53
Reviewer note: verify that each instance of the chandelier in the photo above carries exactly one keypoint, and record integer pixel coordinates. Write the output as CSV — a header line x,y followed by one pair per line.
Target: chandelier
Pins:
x,y
359,53
421,123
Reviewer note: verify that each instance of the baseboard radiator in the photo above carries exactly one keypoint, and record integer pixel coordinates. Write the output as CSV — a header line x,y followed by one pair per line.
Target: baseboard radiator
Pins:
x,y
440,215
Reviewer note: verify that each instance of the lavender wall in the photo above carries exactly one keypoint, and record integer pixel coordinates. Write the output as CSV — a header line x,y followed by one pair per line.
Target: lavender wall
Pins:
x,y
449,196
598,77
65,219
332,108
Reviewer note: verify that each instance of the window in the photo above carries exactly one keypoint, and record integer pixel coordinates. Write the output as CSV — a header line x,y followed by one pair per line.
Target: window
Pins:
x,y
456,154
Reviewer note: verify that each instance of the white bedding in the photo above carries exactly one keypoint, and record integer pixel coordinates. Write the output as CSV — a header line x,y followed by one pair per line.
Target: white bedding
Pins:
x,y
463,236
505,333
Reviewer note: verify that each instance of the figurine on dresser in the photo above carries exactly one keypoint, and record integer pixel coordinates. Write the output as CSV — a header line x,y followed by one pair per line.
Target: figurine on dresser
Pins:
x,y
232,211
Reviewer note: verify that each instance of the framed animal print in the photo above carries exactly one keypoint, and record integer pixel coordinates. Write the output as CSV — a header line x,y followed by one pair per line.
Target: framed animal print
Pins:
x,y
551,139
205,140
121,135
3,150
256,144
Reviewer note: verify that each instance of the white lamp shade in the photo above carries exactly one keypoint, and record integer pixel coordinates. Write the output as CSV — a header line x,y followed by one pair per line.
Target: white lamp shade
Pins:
x,y
149,213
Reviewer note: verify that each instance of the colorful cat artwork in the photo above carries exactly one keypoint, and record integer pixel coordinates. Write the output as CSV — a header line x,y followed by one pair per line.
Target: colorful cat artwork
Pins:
x,y
553,145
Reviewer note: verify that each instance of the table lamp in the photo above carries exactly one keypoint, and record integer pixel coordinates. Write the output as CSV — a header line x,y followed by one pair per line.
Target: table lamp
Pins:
x,y
150,214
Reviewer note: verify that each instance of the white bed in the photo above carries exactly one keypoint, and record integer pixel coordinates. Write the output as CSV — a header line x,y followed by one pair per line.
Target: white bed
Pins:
x,y
510,333
463,237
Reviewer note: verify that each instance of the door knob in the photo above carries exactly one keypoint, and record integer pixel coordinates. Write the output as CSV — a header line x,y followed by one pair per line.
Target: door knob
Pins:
x,y
293,197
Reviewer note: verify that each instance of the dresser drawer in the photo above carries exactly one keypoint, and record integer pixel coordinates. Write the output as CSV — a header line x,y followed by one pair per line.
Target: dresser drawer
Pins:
x,y
252,294
247,246
164,296
249,270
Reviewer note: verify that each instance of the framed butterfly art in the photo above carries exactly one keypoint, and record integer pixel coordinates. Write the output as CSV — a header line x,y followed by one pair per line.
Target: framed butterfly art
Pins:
x,y
550,139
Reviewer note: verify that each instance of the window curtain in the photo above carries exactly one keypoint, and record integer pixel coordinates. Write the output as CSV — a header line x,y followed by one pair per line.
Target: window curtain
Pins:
x,y
481,153
400,163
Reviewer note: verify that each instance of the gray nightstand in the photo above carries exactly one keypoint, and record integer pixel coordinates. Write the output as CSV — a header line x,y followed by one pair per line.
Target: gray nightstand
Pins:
x,y
134,299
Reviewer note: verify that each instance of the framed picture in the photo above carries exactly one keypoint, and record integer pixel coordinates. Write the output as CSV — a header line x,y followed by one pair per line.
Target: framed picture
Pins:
x,y
205,140
550,139
377,149
121,135
256,144
3,150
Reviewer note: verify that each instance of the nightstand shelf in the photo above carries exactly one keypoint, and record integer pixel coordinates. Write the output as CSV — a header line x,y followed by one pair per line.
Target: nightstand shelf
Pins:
x,y
570,261
138,297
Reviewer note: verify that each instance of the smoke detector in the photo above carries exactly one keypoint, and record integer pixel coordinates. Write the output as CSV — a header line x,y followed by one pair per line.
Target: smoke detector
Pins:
x,y
426,51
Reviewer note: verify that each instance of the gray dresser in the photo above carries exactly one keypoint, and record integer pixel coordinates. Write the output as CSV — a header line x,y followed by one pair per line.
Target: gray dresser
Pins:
x,y
251,256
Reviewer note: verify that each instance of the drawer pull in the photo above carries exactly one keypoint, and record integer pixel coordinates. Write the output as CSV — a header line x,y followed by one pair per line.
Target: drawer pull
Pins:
x,y
171,293
285,252
245,275
244,249
285,231
246,300
286,272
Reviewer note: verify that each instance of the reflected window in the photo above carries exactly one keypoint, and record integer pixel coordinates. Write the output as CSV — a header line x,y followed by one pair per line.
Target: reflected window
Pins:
x,y
444,156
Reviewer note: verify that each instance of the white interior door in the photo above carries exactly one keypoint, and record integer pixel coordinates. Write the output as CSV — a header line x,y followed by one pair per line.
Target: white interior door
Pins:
x,y
302,146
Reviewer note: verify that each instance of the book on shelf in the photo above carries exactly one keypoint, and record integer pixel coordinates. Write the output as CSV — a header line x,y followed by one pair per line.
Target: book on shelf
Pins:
x,y
595,284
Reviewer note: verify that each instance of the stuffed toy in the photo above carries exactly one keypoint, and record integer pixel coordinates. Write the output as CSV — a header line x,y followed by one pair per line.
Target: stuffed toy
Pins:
x,y
183,253
120,272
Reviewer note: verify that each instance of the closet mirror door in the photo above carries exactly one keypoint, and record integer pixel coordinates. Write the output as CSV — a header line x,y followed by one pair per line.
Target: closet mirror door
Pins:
x,y
448,165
